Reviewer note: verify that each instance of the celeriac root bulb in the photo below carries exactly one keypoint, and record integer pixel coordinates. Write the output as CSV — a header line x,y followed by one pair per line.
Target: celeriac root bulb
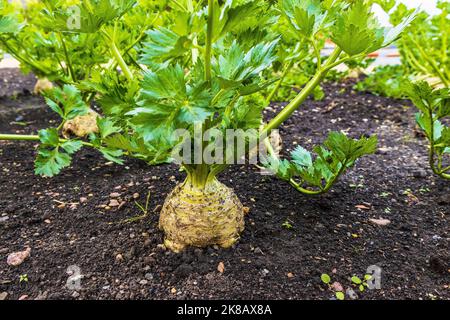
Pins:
x,y
42,85
201,217
81,126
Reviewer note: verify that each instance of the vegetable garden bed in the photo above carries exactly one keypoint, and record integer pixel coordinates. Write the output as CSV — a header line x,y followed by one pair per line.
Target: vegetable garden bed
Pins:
x,y
289,239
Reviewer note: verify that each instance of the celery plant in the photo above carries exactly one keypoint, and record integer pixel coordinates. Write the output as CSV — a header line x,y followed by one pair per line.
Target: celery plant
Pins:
x,y
202,69
433,106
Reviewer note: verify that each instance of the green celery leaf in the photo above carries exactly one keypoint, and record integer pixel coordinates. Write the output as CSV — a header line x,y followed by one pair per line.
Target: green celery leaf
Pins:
x,y
86,17
301,157
67,102
50,162
9,24
49,137
112,155
347,150
167,101
305,17
356,30
163,45
107,127
235,67
71,146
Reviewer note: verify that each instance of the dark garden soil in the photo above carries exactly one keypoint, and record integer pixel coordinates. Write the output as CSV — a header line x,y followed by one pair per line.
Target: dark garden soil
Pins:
x,y
65,221
13,82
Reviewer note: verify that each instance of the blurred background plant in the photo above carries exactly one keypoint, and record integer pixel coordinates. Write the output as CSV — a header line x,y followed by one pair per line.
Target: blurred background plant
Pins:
x,y
424,51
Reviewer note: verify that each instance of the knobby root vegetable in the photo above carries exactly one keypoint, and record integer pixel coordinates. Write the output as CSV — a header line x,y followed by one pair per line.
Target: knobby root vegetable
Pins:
x,y
42,85
81,126
200,217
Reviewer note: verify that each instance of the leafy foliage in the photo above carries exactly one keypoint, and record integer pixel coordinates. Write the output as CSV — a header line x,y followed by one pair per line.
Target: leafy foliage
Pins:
x,y
236,68
434,106
88,17
337,153
67,41
168,101
306,17
66,102
54,154
424,50
155,67
163,44
8,24
386,81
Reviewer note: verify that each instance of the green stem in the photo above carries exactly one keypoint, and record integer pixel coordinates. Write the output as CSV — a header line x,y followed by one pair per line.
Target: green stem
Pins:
x,y
24,137
444,31
304,190
434,66
445,176
116,53
413,61
209,35
445,169
317,53
118,56
19,137
195,47
330,66
431,151
179,5
216,98
21,59
322,189
301,97
69,63
279,82
200,176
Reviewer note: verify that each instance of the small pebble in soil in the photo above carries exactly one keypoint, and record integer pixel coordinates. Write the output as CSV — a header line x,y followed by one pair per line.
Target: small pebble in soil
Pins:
x,y
143,282
17,258
119,258
380,222
351,294
148,276
114,203
221,267
337,286
41,295
147,243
